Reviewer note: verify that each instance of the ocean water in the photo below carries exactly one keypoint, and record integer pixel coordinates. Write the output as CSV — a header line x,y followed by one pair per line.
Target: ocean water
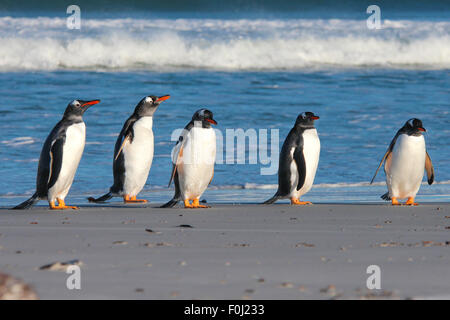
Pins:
x,y
255,69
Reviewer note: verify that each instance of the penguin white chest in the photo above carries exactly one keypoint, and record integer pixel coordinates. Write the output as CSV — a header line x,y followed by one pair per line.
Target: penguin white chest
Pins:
x,y
72,152
196,167
138,156
405,172
311,154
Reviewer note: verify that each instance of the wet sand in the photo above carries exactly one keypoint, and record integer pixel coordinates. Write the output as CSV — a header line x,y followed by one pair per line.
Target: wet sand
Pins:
x,y
232,252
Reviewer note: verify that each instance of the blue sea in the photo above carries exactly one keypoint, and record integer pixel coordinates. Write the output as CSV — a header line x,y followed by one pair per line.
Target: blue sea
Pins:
x,y
255,64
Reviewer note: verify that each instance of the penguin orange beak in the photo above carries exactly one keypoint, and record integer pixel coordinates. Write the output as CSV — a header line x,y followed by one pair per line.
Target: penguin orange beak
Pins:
x,y
163,98
421,129
212,121
315,117
87,104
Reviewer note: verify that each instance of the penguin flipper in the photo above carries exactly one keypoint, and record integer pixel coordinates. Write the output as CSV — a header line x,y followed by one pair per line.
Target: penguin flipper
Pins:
x,y
301,166
103,198
388,152
381,163
56,158
127,139
429,168
28,203
211,177
174,170
176,160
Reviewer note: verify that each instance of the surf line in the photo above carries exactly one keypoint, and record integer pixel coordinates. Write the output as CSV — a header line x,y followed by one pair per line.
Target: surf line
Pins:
x,y
201,310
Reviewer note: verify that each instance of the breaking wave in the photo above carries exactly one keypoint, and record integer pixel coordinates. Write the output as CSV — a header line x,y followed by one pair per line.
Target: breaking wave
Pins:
x,y
218,44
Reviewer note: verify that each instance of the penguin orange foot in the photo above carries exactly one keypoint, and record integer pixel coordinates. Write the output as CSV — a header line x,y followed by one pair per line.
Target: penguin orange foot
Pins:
x,y
195,204
128,199
410,202
187,204
61,205
298,202
395,202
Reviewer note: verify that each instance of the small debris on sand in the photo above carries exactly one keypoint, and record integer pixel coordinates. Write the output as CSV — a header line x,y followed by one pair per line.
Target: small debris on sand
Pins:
x,y
286,285
304,244
329,290
174,294
120,242
302,288
158,244
15,289
61,266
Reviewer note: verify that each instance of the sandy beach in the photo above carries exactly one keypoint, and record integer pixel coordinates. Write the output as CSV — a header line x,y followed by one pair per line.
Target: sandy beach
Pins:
x,y
231,252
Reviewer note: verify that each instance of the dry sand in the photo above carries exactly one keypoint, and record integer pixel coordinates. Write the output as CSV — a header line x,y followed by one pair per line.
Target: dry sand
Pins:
x,y
231,252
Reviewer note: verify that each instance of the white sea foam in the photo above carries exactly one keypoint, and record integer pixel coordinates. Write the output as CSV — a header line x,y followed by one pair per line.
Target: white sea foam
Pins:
x,y
19,141
122,44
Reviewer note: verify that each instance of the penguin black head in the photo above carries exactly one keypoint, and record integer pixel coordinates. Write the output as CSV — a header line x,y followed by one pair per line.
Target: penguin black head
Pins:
x,y
205,116
147,106
306,119
414,127
76,108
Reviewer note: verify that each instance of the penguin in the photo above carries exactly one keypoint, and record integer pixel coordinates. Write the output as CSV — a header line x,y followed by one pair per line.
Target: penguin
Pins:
x,y
133,153
405,162
60,157
299,158
193,160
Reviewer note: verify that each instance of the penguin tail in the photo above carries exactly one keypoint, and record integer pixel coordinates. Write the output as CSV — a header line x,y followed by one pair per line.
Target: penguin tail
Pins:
x,y
386,196
28,203
103,198
273,199
171,203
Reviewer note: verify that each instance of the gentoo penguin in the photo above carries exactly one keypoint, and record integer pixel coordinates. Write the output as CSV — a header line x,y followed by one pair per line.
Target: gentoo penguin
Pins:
x,y
298,162
193,160
133,152
404,163
60,157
